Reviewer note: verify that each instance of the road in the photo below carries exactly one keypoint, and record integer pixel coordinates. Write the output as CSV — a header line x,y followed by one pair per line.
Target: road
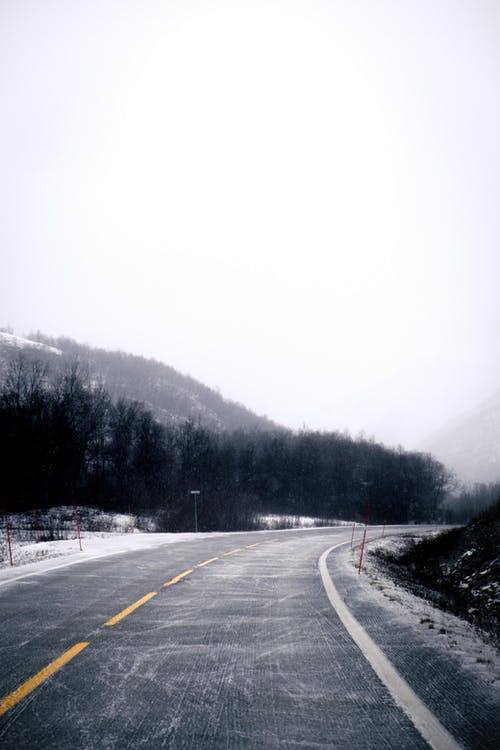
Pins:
x,y
241,649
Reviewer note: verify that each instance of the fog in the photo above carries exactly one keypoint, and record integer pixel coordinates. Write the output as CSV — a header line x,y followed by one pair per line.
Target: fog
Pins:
x,y
295,202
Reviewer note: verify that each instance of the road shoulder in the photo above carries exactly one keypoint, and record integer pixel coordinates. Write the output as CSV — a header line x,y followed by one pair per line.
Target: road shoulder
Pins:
x,y
454,672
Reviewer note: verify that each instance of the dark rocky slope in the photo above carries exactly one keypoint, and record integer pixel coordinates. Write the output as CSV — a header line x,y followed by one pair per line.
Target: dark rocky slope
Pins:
x,y
459,570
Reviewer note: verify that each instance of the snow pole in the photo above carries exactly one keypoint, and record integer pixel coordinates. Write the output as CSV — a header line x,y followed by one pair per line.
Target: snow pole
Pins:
x,y
9,542
130,524
364,538
352,535
75,511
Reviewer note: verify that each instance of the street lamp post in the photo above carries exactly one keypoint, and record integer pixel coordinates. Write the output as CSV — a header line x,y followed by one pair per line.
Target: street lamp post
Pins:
x,y
195,494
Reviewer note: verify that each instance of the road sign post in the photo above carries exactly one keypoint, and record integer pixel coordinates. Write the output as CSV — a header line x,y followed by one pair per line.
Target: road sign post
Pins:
x,y
37,528
77,523
195,494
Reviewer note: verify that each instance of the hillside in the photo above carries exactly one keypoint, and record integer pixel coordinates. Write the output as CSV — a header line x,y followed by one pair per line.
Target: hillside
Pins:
x,y
470,444
458,570
171,396
71,442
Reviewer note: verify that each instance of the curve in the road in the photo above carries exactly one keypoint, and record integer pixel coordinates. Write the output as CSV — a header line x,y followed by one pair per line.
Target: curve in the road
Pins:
x,y
424,720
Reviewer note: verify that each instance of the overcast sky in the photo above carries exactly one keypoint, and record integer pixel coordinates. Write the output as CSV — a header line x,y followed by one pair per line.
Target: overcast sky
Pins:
x,y
296,202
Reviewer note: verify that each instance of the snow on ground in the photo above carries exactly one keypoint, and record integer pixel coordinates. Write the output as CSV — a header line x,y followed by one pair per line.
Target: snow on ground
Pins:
x,y
438,628
273,521
33,557
20,343
36,557
58,544
41,536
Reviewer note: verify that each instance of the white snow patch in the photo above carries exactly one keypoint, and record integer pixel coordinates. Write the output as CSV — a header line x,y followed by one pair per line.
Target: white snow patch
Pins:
x,y
18,342
33,557
273,521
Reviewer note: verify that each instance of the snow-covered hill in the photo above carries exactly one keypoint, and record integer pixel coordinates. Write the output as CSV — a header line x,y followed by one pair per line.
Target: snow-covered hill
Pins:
x,y
170,395
470,444
10,342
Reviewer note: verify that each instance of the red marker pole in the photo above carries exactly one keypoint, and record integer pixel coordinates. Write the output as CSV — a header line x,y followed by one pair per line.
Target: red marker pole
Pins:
x,y
77,526
9,543
364,538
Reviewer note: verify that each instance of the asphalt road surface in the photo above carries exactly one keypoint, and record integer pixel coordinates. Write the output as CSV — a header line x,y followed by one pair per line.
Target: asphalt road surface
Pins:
x,y
241,649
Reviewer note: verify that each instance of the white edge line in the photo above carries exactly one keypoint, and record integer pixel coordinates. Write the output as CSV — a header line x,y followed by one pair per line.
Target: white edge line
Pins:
x,y
423,719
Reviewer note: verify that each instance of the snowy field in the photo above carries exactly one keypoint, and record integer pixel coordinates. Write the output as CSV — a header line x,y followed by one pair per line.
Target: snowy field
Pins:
x,y
43,536
32,552
33,557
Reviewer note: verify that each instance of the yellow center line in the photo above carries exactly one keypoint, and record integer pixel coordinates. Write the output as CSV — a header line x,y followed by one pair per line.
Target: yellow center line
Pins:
x,y
21,692
178,578
27,687
130,609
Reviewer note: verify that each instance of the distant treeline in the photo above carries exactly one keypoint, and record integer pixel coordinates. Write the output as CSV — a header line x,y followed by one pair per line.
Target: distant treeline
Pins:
x,y
64,439
469,502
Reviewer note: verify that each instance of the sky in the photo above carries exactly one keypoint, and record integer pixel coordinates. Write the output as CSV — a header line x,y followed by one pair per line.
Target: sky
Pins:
x,y
297,203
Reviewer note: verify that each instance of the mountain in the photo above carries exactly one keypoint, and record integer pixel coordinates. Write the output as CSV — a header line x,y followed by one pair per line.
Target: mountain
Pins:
x,y
470,443
171,396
